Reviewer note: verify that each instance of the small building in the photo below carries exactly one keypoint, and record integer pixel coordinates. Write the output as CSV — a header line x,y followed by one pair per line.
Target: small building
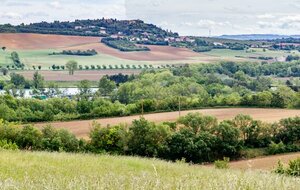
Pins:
x,y
78,27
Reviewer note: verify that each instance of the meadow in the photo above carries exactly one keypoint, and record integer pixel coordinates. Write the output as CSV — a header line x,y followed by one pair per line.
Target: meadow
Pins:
x,y
41,170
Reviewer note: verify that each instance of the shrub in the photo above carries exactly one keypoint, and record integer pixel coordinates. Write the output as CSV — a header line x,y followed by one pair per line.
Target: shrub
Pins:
x,y
222,164
4,144
276,148
29,138
8,131
293,168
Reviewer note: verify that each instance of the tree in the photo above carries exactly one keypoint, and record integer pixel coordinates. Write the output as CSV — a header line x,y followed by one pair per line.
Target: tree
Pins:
x,y
108,139
147,139
106,86
198,122
72,66
17,79
228,143
3,48
38,81
84,88
4,71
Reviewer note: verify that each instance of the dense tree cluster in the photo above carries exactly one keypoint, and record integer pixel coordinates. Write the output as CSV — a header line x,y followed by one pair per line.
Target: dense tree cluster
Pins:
x,y
135,28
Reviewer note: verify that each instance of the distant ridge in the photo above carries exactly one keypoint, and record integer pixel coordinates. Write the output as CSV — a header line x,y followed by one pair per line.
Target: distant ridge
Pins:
x,y
257,36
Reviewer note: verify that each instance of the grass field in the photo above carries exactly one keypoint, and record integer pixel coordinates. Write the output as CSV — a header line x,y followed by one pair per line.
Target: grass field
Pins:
x,y
230,54
82,128
40,170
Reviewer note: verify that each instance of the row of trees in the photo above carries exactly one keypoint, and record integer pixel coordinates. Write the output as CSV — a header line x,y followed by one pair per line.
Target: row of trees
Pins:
x,y
91,52
194,138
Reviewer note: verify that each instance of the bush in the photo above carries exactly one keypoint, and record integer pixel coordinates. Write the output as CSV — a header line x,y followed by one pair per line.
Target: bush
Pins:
x,y
222,164
4,144
293,168
29,138
276,148
8,131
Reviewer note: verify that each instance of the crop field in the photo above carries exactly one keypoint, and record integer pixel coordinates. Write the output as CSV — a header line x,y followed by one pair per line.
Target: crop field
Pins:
x,y
40,170
82,128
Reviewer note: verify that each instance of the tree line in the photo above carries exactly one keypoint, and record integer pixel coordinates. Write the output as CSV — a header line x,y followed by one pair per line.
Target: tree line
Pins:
x,y
194,138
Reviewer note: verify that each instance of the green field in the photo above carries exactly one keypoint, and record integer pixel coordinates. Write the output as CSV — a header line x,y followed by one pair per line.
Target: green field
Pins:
x,y
226,53
42,58
40,170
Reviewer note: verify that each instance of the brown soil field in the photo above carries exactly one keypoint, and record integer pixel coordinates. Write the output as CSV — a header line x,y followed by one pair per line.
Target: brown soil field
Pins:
x,y
82,128
78,76
264,163
157,53
42,41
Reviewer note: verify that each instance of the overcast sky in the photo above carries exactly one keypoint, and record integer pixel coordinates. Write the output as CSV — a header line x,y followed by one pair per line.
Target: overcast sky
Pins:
x,y
188,17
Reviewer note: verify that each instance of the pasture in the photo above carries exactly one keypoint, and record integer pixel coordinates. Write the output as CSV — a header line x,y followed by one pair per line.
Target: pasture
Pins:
x,y
82,128
41,170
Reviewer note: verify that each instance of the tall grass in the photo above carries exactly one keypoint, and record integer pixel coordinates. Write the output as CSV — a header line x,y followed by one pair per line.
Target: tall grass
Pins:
x,y
40,170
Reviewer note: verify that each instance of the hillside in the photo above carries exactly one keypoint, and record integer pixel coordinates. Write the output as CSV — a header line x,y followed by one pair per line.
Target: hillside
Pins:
x,y
98,27
39,170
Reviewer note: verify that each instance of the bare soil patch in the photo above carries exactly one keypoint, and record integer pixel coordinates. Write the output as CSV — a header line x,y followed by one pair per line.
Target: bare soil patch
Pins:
x,y
82,128
78,76
157,53
42,41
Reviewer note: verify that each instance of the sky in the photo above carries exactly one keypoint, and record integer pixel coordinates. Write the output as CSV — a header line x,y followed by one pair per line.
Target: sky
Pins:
x,y
188,17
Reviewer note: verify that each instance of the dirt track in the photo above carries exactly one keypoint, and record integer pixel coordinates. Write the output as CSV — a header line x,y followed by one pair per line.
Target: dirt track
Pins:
x,y
82,128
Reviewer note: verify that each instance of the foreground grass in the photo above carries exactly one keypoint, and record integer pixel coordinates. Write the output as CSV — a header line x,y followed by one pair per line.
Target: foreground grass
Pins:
x,y
40,170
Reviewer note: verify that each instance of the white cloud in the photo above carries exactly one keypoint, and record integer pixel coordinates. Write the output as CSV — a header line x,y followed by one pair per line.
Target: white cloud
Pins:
x,y
55,4
11,15
290,18
266,16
